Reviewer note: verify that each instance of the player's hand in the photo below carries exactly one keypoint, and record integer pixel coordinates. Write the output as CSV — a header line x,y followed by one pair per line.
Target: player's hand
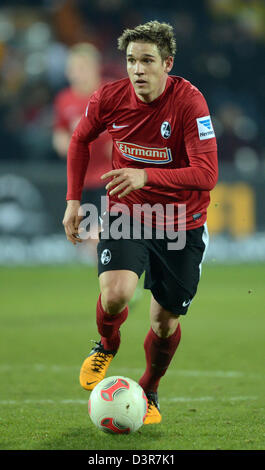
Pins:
x,y
71,221
125,180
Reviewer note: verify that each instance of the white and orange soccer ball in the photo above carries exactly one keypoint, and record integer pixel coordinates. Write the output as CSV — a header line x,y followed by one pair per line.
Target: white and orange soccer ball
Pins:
x,y
118,405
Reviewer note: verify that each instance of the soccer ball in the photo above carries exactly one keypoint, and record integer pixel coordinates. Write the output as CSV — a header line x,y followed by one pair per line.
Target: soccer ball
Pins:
x,y
118,405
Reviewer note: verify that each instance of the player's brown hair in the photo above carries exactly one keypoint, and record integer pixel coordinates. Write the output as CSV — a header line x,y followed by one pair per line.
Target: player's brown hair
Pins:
x,y
153,32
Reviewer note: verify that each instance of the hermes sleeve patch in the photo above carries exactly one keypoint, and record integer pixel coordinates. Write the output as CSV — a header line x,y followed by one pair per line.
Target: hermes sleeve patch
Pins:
x,y
205,128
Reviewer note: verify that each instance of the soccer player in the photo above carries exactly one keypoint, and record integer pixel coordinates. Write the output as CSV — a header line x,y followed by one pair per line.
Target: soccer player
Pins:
x,y
164,151
83,71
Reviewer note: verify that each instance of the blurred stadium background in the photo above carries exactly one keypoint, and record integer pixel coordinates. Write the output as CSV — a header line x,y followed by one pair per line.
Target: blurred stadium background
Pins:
x,y
220,50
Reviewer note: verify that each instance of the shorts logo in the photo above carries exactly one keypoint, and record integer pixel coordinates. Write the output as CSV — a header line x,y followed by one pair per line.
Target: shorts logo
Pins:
x,y
105,256
145,154
165,130
186,303
205,128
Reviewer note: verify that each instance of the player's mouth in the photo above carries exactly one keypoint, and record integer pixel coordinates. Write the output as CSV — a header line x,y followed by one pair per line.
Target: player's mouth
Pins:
x,y
140,82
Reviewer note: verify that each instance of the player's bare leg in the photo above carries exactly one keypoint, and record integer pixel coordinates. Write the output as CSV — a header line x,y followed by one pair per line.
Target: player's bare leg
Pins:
x,y
163,322
160,345
117,288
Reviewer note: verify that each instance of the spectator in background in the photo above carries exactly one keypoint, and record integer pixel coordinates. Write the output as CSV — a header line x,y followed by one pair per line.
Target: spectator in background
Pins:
x,y
83,71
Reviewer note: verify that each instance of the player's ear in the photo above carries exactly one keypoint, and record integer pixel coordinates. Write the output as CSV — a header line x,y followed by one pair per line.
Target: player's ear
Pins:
x,y
168,64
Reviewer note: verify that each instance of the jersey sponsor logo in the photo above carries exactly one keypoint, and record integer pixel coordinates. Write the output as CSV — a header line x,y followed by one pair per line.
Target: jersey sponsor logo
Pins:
x,y
165,129
145,154
205,128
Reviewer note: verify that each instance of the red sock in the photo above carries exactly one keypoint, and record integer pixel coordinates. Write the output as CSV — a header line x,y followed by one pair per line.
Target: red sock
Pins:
x,y
109,325
158,353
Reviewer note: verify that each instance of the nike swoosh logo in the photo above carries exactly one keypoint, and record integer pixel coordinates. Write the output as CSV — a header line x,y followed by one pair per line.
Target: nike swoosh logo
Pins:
x,y
90,383
119,127
186,303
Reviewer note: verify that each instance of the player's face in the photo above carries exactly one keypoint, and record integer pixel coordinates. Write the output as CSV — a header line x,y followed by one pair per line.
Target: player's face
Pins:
x,y
147,71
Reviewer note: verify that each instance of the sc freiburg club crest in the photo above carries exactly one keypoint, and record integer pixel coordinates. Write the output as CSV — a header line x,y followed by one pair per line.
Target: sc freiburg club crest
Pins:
x,y
165,129
105,256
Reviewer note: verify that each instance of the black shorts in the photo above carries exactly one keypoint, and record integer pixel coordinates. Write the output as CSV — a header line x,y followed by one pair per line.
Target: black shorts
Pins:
x,y
171,275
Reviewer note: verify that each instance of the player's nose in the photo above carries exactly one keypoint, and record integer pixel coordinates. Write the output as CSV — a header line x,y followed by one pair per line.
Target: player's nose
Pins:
x,y
139,69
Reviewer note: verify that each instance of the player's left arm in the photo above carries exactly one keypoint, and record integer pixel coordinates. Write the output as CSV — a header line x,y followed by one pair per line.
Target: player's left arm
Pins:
x,y
201,173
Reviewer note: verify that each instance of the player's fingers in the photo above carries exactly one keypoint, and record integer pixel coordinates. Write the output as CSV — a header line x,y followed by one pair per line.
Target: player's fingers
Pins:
x,y
78,239
70,238
119,188
115,181
111,173
74,239
78,220
128,190
68,227
70,233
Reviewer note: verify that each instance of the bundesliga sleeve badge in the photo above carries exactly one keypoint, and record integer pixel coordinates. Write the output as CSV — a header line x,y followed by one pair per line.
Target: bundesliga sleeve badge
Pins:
x,y
205,128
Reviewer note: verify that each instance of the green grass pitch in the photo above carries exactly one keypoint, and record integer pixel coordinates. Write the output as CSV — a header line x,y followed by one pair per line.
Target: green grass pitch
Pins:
x,y
211,398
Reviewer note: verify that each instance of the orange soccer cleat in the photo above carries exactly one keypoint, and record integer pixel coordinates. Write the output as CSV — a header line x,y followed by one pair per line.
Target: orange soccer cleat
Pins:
x,y
95,366
153,415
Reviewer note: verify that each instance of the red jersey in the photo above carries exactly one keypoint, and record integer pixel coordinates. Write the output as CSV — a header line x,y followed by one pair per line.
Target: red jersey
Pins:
x,y
68,109
172,138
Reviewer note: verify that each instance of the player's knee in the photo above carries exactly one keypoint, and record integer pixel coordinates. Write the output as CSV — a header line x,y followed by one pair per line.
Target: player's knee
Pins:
x,y
164,323
165,330
114,299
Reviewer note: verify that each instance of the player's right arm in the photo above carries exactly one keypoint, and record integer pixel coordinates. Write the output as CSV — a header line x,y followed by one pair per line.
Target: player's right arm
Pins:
x,y
71,221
